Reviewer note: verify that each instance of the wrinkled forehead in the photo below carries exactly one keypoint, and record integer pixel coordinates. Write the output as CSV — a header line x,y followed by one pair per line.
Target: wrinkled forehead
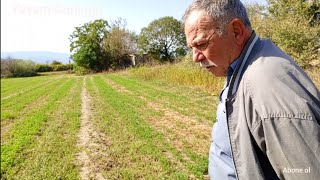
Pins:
x,y
198,24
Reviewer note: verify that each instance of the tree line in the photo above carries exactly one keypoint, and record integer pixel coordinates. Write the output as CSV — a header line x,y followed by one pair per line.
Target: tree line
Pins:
x,y
100,45
291,24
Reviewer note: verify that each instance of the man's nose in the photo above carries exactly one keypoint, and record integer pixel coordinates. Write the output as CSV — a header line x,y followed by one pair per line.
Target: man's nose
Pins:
x,y
197,55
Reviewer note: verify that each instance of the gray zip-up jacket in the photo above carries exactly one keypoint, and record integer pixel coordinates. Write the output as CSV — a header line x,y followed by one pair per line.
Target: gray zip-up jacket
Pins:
x,y
273,115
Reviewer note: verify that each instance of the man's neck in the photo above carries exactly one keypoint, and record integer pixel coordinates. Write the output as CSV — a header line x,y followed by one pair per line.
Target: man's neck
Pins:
x,y
248,34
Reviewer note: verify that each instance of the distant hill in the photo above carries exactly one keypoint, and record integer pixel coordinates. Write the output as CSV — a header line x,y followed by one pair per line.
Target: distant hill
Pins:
x,y
40,57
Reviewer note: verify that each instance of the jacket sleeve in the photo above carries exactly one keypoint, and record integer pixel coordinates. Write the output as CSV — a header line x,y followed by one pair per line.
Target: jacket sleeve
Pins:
x,y
292,146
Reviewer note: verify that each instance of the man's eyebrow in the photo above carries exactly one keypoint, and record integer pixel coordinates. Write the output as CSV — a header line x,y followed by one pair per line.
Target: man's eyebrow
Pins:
x,y
189,45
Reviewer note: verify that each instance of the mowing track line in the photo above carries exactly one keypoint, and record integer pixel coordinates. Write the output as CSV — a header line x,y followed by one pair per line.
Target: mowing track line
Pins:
x,y
92,142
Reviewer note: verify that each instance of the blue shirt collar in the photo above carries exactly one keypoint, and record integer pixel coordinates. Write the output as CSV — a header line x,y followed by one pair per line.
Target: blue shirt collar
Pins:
x,y
231,68
233,65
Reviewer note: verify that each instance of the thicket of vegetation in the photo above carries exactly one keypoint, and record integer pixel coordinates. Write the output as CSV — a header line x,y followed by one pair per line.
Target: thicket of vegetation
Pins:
x,y
26,68
54,66
294,25
17,68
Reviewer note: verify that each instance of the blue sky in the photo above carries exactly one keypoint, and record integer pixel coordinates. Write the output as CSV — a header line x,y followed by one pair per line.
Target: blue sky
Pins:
x,y
45,25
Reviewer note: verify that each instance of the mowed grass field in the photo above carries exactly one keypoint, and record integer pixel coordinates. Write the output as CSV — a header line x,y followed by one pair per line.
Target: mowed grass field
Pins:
x,y
144,123
104,126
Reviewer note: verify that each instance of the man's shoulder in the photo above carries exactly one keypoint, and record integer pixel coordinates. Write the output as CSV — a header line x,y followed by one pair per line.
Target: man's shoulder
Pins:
x,y
270,65
277,83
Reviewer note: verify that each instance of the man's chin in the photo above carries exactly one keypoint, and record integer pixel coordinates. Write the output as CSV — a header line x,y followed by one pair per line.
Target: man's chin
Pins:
x,y
216,72
218,75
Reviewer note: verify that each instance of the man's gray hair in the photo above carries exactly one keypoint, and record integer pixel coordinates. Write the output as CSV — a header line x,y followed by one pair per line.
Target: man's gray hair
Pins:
x,y
222,11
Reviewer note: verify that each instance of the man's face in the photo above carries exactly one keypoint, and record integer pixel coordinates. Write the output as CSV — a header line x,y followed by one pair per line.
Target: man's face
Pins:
x,y
214,51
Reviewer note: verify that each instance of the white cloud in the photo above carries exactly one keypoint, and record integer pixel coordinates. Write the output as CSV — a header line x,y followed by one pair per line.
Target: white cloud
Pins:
x,y
34,26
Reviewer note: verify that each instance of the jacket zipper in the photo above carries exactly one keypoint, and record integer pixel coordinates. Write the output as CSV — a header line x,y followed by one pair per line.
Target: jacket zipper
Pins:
x,y
227,114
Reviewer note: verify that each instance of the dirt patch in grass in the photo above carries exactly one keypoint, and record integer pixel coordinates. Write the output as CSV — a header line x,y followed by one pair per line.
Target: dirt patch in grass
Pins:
x,y
5,127
92,142
181,130
117,87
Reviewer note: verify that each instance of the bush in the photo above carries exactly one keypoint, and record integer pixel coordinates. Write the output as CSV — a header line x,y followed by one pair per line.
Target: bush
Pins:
x,y
17,68
62,67
7,67
25,68
53,67
81,70
44,68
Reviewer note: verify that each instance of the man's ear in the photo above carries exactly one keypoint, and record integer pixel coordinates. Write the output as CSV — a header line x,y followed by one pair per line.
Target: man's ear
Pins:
x,y
238,29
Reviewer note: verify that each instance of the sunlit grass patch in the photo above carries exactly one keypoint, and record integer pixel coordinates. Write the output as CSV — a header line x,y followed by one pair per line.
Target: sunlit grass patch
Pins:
x,y
52,153
23,133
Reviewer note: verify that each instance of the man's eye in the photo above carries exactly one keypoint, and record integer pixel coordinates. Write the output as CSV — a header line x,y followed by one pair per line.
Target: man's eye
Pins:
x,y
202,46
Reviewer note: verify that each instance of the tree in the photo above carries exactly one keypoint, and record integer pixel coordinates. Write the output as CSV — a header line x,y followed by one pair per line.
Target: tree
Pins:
x,y
257,14
120,44
291,24
295,29
55,63
314,13
164,39
306,9
86,44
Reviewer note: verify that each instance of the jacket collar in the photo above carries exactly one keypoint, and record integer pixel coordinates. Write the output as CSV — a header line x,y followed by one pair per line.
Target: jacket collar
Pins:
x,y
243,59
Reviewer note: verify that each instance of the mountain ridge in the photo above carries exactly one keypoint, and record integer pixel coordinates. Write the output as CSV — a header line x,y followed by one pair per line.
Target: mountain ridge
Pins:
x,y
39,57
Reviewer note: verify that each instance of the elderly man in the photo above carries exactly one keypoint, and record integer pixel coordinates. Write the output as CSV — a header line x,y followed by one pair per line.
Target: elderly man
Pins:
x,y
267,124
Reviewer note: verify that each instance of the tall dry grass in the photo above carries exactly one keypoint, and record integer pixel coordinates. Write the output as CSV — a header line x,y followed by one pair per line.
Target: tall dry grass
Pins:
x,y
314,74
188,73
183,73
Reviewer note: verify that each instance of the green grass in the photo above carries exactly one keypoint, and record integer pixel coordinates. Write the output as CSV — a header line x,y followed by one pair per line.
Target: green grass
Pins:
x,y
24,132
154,130
12,107
155,123
131,108
51,155
16,85
136,148
185,100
